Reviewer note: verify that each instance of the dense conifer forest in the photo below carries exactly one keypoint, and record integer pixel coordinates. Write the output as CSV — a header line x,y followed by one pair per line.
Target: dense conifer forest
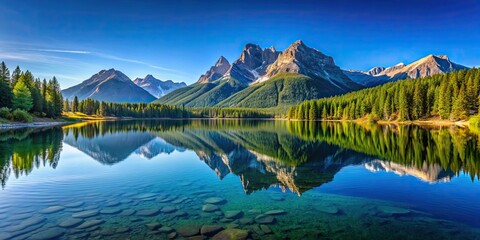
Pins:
x,y
453,96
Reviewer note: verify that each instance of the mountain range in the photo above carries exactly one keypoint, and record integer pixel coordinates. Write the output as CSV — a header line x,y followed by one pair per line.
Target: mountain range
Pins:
x,y
423,67
266,78
113,86
156,87
259,78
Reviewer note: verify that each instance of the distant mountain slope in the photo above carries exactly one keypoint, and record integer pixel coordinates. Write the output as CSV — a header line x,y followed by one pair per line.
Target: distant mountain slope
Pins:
x,y
423,67
156,87
216,71
110,86
267,78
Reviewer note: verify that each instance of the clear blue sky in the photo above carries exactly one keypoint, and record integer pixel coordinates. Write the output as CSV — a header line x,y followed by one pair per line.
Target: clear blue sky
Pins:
x,y
180,40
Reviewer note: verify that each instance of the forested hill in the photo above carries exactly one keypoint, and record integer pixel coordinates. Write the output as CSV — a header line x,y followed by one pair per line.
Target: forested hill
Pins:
x,y
453,96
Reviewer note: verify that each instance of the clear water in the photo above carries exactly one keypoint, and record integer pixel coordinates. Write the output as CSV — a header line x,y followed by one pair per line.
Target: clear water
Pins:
x,y
150,180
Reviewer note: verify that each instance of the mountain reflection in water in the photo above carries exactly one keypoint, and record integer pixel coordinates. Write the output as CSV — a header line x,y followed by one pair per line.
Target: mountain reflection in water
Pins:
x,y
297,156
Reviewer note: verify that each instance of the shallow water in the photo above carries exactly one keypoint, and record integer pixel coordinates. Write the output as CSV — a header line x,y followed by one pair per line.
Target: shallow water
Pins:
x,y
268,179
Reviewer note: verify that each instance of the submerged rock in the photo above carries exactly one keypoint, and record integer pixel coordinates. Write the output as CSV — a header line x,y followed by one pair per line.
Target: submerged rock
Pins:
x,y
52,209
233,214
85,214
188,231
70,222
215,200
266,229
148,212
210,230
210,208
127,212
276,212
123,230
231,234
110,211
52,233
153,225
168,209
165,229
90,223
74,204
264,219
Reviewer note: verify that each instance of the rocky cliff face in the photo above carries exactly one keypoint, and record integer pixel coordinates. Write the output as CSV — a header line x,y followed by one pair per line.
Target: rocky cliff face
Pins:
x,y
298,58
156,87
252,63
423,67
216,71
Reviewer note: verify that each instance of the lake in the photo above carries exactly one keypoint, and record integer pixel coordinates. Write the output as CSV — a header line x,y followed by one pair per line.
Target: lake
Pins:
x,y
227,179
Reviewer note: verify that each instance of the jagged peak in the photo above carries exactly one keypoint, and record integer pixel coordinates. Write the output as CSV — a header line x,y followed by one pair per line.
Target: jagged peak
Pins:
x,y
222,60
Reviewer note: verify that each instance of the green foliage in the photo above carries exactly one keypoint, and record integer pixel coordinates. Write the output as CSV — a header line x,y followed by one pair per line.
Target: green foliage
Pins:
x,y
22,97
19,115
6,95
282,89
475,122
454,95
203,95
5,113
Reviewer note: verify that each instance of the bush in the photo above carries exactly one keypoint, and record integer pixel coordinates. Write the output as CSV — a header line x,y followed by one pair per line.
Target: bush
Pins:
x,y
21,116
475,121
5,113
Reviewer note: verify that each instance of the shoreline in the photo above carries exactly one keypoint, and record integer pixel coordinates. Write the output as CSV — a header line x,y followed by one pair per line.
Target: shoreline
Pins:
x,y
8,126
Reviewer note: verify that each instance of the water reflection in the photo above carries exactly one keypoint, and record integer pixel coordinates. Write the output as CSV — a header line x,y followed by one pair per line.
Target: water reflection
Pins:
x,y
293,155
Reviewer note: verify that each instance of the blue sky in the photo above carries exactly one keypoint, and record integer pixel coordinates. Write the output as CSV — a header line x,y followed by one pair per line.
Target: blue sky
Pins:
x,y
180,40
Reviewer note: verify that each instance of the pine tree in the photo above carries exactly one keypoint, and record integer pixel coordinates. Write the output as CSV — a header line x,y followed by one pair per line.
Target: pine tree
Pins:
x,y
418,102
403,105
75,104
22,97
324,112
15,76
6,95
387,108
460,105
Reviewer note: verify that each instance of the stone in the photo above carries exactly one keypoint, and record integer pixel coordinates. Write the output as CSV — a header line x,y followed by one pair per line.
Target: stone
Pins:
x,y
255,211
52,209
210,230
52,233
35,220
266,229
153,225
180,214
188,231
246,220
148,212
197,237
85,214
90,223
110,211
165,229
74,204
215,200
257,230
70,222
210,208
231,234
168,209
233,214
226,220
264,219
172,235
127,212
276,212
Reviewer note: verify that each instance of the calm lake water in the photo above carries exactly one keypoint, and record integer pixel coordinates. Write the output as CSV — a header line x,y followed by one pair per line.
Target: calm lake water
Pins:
x,y
254,179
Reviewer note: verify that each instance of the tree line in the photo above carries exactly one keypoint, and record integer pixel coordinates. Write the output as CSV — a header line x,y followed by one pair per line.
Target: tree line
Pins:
x,y
151,110
453,96
22,91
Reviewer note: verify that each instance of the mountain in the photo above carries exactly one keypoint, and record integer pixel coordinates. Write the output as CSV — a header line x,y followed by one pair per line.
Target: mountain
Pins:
x,y
156,87
423,67
267,78
216,71
299,73
110,86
